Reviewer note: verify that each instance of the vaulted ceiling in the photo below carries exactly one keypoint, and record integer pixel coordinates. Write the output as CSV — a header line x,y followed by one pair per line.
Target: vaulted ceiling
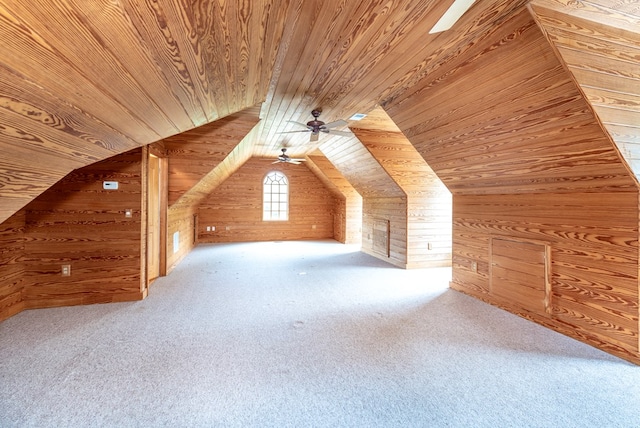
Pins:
x,y
81,80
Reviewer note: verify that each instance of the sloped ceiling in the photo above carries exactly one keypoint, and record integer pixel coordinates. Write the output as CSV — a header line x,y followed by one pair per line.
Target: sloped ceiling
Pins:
x,y
599,43
82,80
528,131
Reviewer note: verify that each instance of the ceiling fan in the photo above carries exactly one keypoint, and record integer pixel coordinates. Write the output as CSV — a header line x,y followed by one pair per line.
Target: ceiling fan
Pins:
x,y
317,126
284,158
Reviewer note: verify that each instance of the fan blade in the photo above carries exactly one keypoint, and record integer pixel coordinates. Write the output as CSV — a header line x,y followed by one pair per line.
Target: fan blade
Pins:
x,y
304,125
335,124
340,133
293,132
314,136
278,161
296,160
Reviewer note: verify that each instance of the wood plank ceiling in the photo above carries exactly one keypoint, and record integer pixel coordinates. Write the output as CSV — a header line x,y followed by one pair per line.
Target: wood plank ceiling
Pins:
x,y
82,80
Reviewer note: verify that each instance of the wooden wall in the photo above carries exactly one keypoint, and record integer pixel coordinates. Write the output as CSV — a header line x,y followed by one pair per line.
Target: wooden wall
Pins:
x,y
511,135
199,161
77,222
235,207
347,224
428,202
390,213
195,153
11,266
181,220
383,200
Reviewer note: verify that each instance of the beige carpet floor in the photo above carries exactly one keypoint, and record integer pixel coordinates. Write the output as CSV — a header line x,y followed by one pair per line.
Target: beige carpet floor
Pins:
x,y
303,334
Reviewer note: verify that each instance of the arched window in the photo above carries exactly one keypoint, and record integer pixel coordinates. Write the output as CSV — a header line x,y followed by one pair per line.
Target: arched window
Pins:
x,y
275,197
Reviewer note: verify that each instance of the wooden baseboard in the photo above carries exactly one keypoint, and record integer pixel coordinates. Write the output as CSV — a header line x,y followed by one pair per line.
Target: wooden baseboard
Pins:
x,y
86,298
11,305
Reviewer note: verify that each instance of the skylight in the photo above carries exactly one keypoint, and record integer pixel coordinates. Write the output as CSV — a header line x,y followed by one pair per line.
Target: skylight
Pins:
x,y
451,16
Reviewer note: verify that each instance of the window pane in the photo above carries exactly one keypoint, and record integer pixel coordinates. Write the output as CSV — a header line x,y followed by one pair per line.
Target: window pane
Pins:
x,y
275,194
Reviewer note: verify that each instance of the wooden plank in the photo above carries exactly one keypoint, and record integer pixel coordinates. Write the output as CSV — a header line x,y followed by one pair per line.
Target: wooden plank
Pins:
x,y
11,265
235,207
601,52
78,223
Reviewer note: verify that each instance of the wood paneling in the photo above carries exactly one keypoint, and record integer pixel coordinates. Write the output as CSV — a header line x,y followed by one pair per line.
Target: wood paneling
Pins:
x,y
603,56
428,200
78,223
181,220
391,211
347,57
238,156
487,104
512,137
520,274
82,81
195,153
87,80
523,132
235,207
381,237
11,265
347,227
382,198
357,165
593,241
199,161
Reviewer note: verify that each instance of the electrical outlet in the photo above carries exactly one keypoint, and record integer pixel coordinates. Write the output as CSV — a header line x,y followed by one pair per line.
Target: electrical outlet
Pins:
x,y
474,266
66,270
208,228
128,213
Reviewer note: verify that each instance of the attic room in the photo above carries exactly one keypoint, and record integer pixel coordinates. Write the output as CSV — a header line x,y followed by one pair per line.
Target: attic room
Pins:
x,y
500,145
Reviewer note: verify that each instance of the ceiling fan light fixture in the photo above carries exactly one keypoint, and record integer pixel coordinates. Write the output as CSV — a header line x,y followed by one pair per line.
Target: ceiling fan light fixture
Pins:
x,y
452,15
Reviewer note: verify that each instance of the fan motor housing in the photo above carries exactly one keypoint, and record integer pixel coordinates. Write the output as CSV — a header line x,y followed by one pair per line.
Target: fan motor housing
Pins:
x,y
315,124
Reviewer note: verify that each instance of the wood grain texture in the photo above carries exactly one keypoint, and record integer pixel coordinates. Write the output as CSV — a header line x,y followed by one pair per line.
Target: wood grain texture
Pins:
x,y
382,198
235,207
492,105
11,265
347,226
198,163
181,219
593,245
391,211
360,168
520,133
78,223
104,77
195,153
604,60
428,200
526,158
347,57
520,273
82,81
